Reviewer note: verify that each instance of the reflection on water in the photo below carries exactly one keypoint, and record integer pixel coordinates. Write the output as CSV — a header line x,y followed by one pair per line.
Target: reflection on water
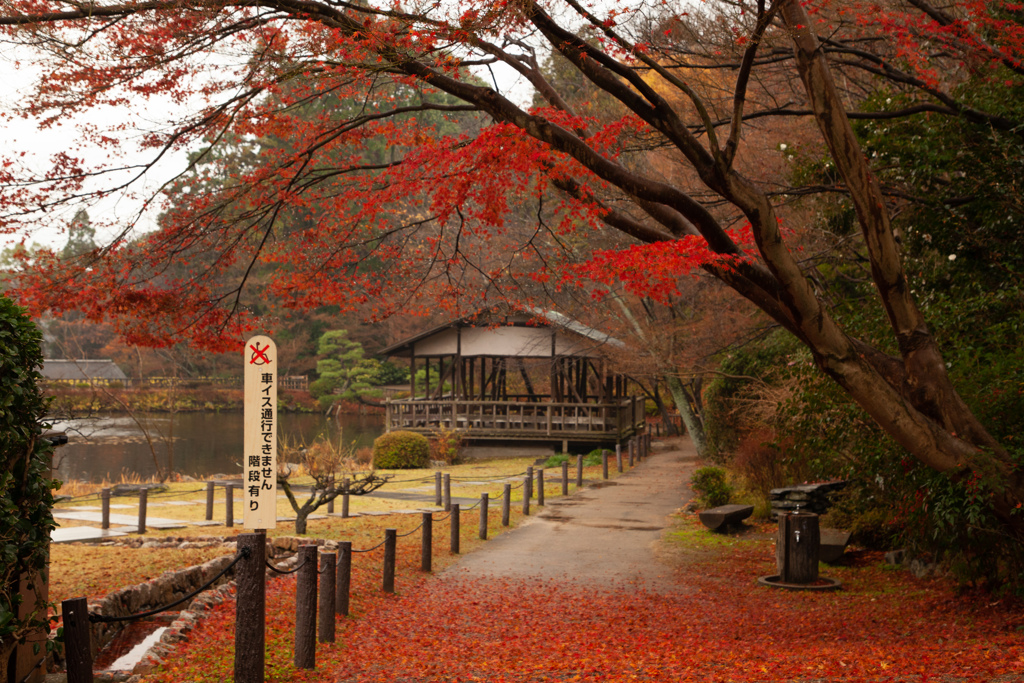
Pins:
x,y
204,444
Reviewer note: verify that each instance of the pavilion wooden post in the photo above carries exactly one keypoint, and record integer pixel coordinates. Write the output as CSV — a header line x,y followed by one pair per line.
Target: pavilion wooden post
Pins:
x,y
105,516
77,643
427,543
327,590
305,608
565,478
343,583
250,609
390,548
456,522
506,504
484,502
143,497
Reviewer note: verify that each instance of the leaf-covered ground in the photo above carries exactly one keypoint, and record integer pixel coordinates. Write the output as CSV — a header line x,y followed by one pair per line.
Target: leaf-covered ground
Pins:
x,y
718,626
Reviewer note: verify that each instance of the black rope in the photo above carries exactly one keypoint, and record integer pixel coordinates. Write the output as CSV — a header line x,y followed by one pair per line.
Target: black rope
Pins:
x,y
462,509
441,519
370,549
411,532
284,571
101,618
495,478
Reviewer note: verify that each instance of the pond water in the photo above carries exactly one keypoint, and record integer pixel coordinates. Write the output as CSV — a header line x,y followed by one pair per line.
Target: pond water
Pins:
x,y
202,444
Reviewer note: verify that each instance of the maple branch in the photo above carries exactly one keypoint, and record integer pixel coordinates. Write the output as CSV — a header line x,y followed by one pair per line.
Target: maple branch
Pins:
x,y
944,19
764,19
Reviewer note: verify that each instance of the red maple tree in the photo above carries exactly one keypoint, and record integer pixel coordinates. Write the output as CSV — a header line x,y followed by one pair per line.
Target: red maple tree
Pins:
x,y
374,198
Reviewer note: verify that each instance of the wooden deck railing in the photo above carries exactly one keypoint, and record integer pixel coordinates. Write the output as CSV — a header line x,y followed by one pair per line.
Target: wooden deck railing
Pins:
x,y
516,419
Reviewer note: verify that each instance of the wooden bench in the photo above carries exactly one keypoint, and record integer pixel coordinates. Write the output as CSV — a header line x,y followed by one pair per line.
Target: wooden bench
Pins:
x,y
725,515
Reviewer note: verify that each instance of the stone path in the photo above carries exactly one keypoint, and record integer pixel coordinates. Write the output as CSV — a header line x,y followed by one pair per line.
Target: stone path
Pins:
x,y
605,534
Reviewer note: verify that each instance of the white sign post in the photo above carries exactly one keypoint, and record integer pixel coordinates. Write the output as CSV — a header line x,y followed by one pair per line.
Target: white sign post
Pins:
x,y
259,484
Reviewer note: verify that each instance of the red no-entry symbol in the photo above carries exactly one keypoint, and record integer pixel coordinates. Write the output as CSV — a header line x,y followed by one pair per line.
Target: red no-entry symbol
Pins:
x,y
259,356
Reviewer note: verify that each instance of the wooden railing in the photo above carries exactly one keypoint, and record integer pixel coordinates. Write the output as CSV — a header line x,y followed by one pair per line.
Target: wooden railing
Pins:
x,y
482,419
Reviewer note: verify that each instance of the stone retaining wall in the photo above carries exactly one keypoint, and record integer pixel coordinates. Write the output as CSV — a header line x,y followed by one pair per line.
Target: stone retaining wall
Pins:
x,y
808,497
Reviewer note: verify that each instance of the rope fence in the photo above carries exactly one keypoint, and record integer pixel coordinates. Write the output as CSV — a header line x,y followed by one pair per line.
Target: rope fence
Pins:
x,y
323,580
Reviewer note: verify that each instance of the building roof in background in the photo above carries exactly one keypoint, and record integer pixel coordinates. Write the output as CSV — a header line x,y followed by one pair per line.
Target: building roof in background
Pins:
x,y
85,370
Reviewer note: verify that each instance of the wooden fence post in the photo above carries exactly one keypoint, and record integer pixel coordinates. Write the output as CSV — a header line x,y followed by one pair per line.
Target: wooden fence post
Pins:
x,y
618,459
390,547
330,503
344,498
565,478
484,502
143,498
528,489
506,504
229,505
604,463
438,498
209,501
631,453
427,543
305,609
77,644
456,529
540,486
446,500
105,498
579,471
344,581
526,496
328,577
250,609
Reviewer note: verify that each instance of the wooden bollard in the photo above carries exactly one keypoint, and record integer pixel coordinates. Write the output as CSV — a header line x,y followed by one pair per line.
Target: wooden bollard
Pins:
x,y
250,609
229,505
456,528
618,447
528,490
143,498
305,609
540,486
325,610
446,494
209,501
526,497
438,496
343,584
77,643
330,502
105,504
484,502
618,459
565,478
390,548
427,543
579,471
506,504
604,463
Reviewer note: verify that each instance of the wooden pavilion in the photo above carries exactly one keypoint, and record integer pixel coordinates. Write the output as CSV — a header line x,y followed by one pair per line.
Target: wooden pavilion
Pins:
x,y
516,378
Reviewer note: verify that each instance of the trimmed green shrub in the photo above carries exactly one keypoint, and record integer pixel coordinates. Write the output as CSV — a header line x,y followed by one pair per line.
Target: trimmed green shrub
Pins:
x,y
401,451
26,489
711,487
